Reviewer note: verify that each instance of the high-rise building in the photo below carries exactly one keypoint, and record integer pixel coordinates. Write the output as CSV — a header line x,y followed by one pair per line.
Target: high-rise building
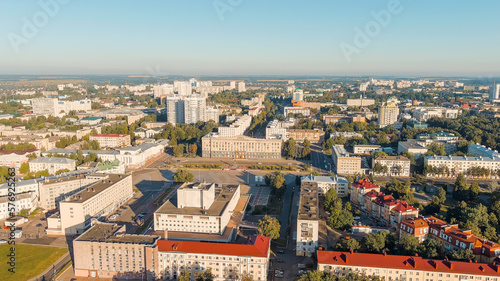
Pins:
x,y
298,95
194,109
388,113
188,109
232,85
495,92
184,88
241,87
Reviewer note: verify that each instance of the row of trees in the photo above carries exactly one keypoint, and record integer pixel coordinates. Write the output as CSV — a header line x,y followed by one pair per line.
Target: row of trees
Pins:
x,y
181,150
340,214
316,275
294,151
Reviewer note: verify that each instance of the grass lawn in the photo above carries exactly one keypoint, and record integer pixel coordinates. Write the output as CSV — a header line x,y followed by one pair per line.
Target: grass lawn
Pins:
x,y
31,260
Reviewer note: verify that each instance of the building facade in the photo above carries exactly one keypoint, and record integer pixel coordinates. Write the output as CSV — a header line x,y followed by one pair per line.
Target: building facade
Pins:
x,y
308,220
344,163
240,147
237,128
388,113
396,165
111,140
54,190
324,183
52,164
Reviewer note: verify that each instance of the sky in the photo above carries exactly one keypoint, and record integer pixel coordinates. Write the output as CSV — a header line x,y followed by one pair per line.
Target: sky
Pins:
x,y
250,37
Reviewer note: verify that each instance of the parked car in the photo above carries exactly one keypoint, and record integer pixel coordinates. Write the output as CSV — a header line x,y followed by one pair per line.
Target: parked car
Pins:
x,y
279,260
281,251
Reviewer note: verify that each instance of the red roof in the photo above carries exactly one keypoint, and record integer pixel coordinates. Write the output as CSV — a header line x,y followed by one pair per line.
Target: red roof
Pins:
x,y
257,246
406,262
110,135
18,152
402,206
365,184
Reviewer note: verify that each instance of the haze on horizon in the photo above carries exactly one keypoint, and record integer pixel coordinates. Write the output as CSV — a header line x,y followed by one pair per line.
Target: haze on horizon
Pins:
x,y
240,37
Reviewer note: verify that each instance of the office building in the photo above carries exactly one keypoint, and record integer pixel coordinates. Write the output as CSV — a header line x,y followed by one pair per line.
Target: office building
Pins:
x,y
99,199
396,166
226,261
240,147
111,140
345,163
300,135
105,251
388,113
198,207
391,267
325,183
52,164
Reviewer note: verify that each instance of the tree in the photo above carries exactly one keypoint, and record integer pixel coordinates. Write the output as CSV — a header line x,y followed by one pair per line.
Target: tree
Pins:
x,y
378,168
184,276
204,275
409,244
246,277
347,244
459,193
474,191
179,150
25,168
193,149
375,242
291,148
269,227
441,194
307,149
276,180
183,176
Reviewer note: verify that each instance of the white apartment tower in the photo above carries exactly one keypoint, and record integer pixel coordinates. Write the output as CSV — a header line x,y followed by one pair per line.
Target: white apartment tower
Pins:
x,y
495,92
388,113
241,87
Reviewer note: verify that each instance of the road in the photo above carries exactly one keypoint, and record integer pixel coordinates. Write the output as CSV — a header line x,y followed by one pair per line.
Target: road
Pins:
x,y
320,161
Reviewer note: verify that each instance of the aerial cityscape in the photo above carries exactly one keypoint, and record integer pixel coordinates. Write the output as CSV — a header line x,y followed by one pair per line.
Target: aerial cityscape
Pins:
x,y
250,140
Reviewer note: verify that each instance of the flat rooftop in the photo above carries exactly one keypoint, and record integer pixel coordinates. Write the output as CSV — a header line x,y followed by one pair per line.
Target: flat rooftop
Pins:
x,y
95,188
308,202
222,197
106,232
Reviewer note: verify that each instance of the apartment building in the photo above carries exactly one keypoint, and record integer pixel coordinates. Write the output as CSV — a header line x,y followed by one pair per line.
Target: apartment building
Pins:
x,y
347,135
396,165
296,111
198,207
425,113
454,165
344,163
450,237
186,109
359,188
415,147
308,219
481,151
101,198
336,118
26,197
55,107
391,267
237,128
111,140
56,189
279,129
388,113
52,164
368,198
106,251
240,147
360,102
37,141
325,183
300,135
226,261
365,149
13,160
442,136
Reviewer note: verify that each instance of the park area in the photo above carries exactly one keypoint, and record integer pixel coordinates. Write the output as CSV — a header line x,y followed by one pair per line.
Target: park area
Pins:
x,y
30,260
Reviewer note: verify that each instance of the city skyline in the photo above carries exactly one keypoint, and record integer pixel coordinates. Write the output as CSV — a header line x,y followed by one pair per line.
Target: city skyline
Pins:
x,y
222,37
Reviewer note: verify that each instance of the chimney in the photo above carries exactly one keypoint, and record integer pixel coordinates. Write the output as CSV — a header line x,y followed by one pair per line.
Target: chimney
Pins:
x,y
165,234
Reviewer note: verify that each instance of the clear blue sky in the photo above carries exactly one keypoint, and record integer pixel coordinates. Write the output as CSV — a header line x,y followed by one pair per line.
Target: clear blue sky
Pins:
x,y
256,37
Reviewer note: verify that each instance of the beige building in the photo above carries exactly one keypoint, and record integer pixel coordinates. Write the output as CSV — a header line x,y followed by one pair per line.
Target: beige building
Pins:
x,y
390,267
198,207
300,135
388,113
52,164
396,165
240,147
111,140
365,149
54,190
99,199
308,220
106,251
226,261
325,183
344,163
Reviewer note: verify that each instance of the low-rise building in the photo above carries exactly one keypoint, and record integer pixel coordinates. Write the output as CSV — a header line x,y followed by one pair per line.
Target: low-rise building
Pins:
x,y
111,140
240,147
347,135
237,128
336,118
344,163
106,251
359,188
297,111
481,151
26,198
198,207
56,189
450,237
391,267
396,166
101,198
52,164
365,149
325,183
226,261
469,166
